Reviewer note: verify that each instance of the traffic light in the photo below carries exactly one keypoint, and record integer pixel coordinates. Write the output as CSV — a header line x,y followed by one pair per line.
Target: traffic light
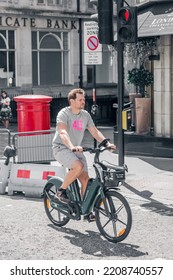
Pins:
x,y
105,21
127,25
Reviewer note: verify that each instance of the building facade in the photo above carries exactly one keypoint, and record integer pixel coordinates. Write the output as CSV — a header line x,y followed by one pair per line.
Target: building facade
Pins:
x,y
40,46
159,22
42,52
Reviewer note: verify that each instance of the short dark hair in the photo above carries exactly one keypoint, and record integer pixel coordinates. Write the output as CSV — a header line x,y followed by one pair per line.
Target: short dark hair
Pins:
x,y
3,91
73,93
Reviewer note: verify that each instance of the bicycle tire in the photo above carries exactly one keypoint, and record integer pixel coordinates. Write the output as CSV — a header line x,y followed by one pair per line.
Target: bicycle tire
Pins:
x,y
54,215
116,227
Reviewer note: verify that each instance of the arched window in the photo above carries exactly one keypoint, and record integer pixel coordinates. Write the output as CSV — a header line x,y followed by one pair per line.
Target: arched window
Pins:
x,y
7,58
50,58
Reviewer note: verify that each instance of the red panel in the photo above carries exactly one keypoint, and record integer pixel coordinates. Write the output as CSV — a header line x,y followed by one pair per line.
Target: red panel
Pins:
x,y
47,173
23,173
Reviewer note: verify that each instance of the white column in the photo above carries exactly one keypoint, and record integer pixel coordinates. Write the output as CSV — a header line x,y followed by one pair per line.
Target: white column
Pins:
x,y
23,57
162,89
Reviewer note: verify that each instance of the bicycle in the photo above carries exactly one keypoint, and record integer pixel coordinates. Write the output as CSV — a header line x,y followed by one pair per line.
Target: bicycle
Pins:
x,y
112,211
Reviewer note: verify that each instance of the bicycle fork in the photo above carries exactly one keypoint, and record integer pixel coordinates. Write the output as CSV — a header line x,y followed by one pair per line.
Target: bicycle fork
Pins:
x,y
105,203
108,205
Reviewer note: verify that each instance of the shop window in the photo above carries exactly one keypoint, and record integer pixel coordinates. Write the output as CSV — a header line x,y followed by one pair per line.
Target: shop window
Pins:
x,y
50,58
7,58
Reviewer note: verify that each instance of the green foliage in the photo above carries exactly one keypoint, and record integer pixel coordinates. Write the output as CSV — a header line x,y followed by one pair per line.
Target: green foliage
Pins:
x,y
141,78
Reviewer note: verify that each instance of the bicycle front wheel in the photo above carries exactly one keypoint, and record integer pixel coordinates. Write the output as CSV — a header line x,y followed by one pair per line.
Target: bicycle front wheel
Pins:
x,y
54,215
113,216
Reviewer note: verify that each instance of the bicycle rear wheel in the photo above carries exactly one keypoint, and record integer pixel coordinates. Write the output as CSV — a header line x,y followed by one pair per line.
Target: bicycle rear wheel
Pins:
x,y
54,215
114,223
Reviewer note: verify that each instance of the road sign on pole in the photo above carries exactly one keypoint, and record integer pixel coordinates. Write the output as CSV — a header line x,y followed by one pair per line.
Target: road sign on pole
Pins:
x,y
92,47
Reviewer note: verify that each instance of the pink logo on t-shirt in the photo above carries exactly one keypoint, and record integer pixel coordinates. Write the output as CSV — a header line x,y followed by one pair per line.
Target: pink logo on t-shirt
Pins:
x,y
77,125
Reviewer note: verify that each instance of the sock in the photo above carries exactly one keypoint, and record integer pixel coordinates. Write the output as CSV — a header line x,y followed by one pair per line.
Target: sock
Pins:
x,y
62,190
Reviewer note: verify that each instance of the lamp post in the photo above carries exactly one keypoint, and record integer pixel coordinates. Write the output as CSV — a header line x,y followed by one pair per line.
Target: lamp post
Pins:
x,y
80,47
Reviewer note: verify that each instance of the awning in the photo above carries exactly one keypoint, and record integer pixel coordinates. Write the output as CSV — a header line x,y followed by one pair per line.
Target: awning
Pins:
x,y
156,21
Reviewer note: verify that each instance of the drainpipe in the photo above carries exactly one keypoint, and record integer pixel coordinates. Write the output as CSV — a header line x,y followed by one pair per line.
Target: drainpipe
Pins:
x,y
80,47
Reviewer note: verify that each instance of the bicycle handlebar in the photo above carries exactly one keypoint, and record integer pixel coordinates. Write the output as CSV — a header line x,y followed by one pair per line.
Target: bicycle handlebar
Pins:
x,y
95,150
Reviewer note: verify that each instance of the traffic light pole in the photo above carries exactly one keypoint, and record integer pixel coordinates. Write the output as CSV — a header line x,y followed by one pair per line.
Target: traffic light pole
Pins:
x,y
120,48
94,106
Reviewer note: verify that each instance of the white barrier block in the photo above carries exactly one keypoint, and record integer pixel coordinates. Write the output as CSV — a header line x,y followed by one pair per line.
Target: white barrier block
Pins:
x,y
31,178
4,175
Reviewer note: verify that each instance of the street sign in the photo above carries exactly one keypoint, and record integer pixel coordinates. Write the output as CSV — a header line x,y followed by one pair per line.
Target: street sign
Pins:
x,y
92,47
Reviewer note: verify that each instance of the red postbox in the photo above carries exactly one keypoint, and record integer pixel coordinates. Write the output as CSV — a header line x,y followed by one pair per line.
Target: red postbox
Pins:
x,y
33,112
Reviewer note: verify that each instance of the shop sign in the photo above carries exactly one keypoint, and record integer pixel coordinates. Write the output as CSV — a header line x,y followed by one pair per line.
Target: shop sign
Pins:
x,y
32,22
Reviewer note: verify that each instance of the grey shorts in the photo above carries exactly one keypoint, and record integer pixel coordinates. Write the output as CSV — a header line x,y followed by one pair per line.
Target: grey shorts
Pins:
x,y
66,157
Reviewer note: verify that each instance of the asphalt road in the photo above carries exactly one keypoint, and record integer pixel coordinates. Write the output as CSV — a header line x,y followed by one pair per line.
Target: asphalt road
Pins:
x,y
26,233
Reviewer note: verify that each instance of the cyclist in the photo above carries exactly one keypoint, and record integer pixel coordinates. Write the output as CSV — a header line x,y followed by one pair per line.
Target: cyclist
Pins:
x,y
72,121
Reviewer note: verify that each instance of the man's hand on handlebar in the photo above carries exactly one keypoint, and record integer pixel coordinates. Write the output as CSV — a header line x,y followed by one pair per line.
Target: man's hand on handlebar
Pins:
x,y
111,147
77,149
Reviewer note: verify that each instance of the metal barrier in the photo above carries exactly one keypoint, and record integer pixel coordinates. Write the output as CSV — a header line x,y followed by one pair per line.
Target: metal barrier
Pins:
x,y
5,139
23,174
34,146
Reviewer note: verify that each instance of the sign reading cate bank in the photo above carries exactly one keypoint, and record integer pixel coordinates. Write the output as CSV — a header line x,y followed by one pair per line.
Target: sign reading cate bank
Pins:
x,y
92,47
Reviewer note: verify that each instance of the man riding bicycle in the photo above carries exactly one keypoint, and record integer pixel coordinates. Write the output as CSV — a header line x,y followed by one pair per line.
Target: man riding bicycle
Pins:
x,y
72,121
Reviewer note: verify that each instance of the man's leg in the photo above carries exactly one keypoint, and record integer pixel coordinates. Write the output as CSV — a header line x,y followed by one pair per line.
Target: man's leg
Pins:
x,y
83,178
72,175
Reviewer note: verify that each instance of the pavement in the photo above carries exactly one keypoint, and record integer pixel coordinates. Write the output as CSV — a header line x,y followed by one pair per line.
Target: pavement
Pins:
x,y
148,179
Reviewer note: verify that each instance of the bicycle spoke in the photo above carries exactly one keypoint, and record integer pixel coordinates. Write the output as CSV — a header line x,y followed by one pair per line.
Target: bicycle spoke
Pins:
x,y
114,222
102,211
120,208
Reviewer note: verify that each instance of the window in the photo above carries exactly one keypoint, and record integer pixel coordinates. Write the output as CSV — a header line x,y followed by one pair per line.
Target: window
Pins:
x,y
50,58
54,2
90,5
104,72
7,58
40,1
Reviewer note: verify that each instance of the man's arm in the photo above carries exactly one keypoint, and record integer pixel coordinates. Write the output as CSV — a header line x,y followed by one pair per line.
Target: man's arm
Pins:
x,y
63,133
99,136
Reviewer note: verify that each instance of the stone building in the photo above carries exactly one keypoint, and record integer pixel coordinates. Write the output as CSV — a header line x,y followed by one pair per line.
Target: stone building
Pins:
x,y
42,51
156,19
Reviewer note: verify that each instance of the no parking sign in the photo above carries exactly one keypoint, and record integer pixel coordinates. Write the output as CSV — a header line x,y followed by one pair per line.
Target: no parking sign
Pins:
x,y
92,47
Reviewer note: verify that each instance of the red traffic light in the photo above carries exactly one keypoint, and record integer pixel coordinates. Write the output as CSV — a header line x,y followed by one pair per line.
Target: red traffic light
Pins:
x,y
125,15
127,24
